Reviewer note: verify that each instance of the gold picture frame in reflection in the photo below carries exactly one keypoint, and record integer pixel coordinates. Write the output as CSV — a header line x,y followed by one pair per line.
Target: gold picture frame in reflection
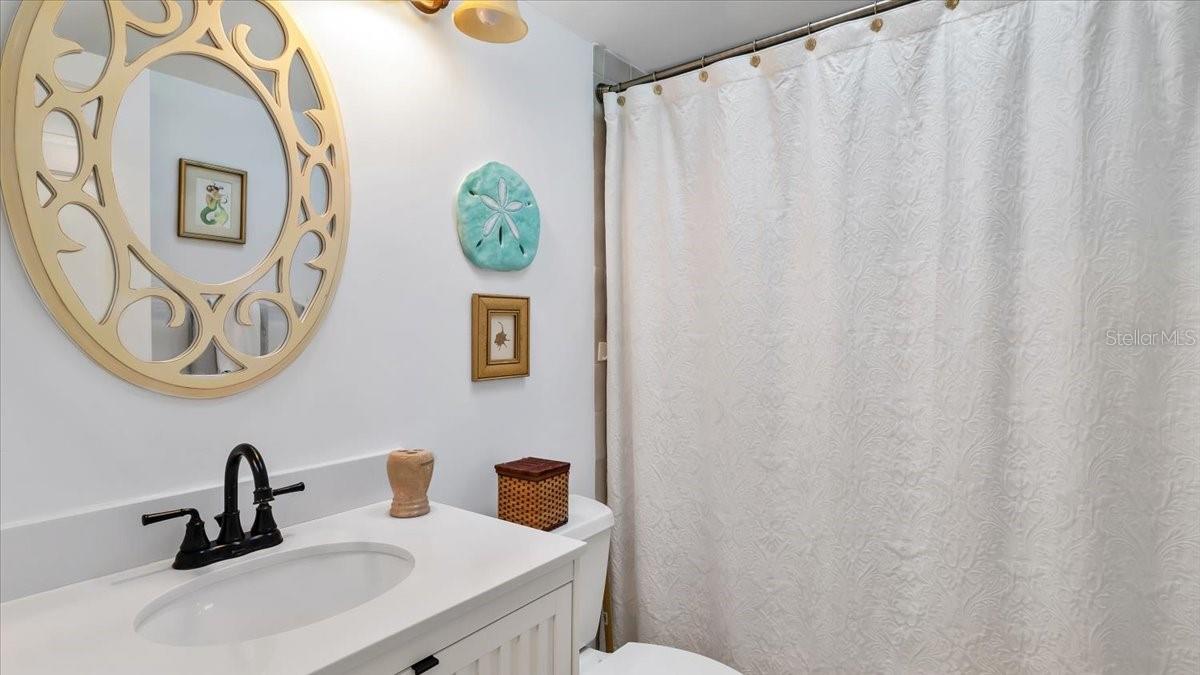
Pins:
x,y
499,336
212,202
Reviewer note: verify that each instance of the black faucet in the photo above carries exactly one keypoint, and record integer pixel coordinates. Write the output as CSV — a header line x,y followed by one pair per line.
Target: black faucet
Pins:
x,y
196,550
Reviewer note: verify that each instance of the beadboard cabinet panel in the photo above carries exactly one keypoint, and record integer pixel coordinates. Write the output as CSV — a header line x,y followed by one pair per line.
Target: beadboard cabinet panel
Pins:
x,y
534,640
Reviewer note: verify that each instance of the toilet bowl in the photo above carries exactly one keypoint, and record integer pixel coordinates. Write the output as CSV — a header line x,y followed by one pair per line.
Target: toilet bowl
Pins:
x,y
591,522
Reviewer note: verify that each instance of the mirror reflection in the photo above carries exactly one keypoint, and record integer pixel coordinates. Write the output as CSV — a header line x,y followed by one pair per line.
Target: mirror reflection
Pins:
x,y
201,175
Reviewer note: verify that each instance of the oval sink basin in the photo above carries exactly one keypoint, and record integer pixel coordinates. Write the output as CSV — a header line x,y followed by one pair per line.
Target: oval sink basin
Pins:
x,y
273,594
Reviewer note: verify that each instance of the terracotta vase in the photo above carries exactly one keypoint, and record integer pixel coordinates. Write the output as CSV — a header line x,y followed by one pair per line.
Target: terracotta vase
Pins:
x,y
409,472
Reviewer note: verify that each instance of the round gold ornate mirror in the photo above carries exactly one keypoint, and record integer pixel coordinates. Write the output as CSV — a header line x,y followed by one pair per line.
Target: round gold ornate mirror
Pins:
x,y
175,181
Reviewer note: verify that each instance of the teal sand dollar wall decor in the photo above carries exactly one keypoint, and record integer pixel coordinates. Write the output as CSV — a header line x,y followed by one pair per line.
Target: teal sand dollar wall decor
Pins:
x,y
498,219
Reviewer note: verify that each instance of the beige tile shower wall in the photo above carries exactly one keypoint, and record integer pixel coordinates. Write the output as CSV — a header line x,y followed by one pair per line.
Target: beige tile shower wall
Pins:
x,y
608,68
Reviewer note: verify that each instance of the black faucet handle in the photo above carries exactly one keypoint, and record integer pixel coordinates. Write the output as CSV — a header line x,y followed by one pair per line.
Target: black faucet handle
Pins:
x,y
294,487
151,518
264,520
195,538
266,493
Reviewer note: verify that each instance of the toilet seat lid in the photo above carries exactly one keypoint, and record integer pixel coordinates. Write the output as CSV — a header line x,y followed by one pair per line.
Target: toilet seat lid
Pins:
x,y
635,658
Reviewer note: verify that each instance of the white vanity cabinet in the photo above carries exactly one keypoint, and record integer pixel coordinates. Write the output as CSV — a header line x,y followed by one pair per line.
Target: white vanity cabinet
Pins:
x,y
520,633
534,640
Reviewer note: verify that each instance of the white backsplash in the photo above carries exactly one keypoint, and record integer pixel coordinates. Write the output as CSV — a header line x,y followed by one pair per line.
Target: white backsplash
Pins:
x,y
39,555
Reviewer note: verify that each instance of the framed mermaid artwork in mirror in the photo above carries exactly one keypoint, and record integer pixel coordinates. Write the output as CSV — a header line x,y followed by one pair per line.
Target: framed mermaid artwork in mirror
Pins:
x,y
212,202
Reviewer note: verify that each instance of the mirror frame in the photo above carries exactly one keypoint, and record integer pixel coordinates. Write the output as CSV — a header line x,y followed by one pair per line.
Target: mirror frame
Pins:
x,y
28,63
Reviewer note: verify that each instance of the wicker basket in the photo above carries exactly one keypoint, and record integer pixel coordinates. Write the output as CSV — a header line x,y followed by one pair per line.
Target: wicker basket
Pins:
x,y
533,492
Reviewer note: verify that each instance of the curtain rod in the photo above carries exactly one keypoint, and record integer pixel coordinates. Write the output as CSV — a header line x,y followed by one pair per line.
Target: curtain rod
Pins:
x,y
761,43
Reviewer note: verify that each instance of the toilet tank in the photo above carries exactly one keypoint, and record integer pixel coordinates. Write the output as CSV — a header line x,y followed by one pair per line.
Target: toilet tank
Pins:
x,y
591,522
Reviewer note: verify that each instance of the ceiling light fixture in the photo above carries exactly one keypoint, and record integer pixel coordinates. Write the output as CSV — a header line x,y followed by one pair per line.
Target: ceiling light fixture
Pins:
x,y
487,20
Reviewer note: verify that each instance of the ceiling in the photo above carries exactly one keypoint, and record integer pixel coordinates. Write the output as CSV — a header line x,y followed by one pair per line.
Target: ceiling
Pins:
x,y
654,34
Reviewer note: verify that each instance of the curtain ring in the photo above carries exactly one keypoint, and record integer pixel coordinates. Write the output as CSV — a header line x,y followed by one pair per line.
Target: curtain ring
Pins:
x,y
703,72
877,24
951,4
755,59
657,86
811,43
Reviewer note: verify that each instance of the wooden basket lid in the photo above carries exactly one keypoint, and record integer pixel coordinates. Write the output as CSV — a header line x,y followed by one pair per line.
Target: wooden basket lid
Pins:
x,y
532,468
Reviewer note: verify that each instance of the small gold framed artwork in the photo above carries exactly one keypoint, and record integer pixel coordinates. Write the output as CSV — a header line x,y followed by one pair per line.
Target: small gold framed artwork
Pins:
x,y
499,337
212,202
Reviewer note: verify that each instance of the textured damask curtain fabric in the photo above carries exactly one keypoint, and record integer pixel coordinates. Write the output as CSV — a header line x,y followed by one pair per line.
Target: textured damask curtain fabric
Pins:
x,y
903,366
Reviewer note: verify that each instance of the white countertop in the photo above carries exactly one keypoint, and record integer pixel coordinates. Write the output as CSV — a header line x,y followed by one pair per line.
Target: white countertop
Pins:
x,y
462,559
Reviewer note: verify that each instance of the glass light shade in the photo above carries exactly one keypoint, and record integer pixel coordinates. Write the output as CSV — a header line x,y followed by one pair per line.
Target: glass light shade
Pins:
x,y
490,20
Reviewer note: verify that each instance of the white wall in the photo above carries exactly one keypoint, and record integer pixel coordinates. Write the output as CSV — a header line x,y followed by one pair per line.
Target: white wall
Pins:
x,y
422,106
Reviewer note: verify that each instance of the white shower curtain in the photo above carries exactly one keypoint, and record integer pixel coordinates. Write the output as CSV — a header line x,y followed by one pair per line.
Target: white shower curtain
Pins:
x,y
903,366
